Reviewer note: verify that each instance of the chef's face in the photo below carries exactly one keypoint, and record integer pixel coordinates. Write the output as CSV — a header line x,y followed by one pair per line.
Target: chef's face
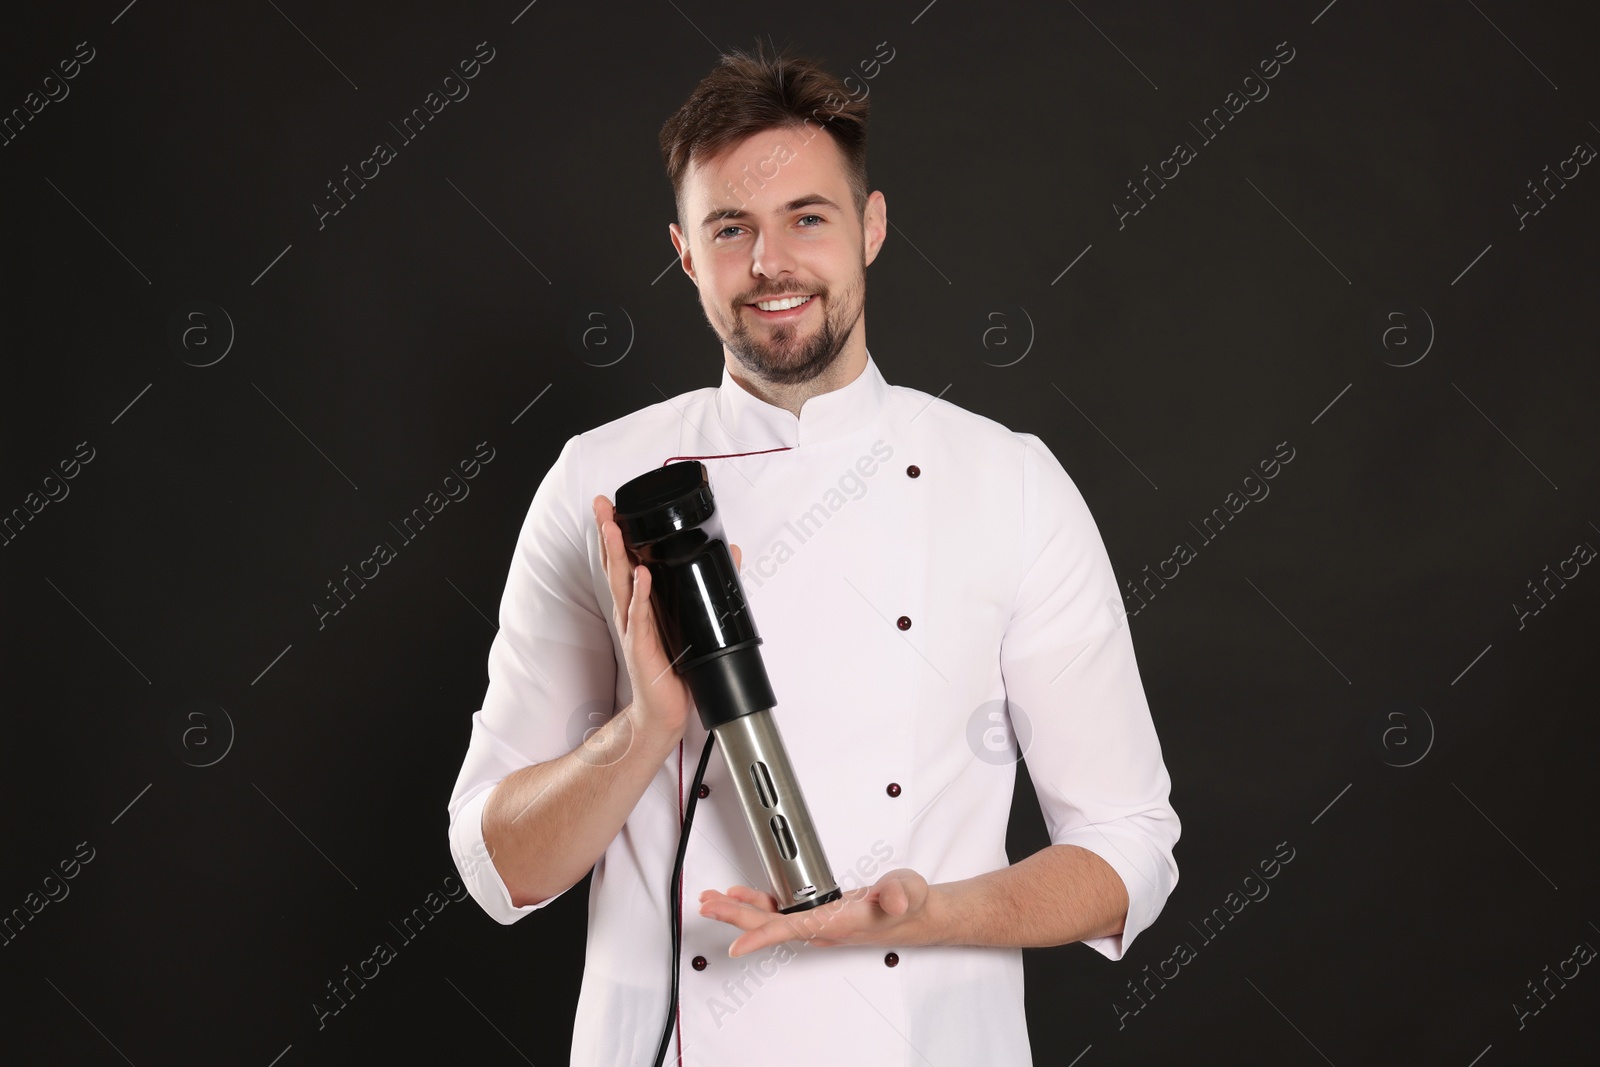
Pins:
x,y
772,217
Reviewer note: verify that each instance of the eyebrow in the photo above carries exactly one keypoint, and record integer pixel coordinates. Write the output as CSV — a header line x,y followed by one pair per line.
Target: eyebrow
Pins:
x,y
809,200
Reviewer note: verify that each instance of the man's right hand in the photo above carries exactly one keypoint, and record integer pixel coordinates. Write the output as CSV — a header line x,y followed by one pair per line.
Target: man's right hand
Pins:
x,y
661,698
547,824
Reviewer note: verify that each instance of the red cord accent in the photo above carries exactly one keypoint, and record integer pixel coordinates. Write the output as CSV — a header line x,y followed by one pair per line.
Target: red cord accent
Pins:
x,y
728,455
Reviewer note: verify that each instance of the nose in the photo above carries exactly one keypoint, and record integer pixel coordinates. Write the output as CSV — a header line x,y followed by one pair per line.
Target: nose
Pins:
x,y
771,255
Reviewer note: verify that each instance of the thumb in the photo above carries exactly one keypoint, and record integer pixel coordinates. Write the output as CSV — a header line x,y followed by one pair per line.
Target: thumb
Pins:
x,y
893,898
737,556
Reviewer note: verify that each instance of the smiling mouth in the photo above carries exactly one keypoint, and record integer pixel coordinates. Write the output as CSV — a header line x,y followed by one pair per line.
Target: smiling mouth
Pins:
x,y
788,312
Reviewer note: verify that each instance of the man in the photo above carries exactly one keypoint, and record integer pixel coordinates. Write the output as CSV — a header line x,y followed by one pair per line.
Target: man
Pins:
x,y
934,600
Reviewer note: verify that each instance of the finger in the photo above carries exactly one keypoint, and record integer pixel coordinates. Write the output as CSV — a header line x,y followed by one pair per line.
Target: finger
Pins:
x,y
737,557
892,898
712,897
619,572
640,613
745,944
866,894
597,506
754,897
772,932
727,910
602,512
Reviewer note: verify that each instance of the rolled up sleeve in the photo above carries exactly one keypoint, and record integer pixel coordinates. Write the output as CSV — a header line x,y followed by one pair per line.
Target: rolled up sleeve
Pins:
x,y
1078,704
552,672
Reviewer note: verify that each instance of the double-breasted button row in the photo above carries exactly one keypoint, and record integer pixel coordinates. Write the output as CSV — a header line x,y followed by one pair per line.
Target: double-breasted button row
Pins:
x,y
892,959
904,622
911,472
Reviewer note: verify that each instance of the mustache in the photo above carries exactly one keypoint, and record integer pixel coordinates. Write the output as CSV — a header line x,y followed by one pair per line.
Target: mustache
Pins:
x,y
779,296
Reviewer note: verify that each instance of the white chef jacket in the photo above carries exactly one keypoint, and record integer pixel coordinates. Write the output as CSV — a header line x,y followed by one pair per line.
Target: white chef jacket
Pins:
x,y
933,597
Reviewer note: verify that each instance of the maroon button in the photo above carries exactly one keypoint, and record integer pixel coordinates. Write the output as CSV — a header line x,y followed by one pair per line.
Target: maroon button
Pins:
x,y
699,963
891,959
913,471
904,622
893,789
705,790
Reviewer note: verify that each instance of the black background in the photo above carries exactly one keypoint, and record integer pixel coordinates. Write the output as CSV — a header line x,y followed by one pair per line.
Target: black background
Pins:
x,y
1359,617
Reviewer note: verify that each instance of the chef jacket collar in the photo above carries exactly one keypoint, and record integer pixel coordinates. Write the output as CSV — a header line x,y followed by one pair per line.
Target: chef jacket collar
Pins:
x,y
754,422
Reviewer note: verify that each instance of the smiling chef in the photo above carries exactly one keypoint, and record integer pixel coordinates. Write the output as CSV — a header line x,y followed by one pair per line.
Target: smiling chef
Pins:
x,y
935,603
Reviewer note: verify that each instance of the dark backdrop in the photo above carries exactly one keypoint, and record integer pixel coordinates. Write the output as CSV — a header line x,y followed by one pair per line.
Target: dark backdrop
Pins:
x,y
247,393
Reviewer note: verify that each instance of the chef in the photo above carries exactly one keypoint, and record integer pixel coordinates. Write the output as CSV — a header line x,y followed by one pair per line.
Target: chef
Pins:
x,y
935,604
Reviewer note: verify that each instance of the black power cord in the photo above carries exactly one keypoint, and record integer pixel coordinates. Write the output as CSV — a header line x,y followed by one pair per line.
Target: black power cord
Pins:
x,y
674,891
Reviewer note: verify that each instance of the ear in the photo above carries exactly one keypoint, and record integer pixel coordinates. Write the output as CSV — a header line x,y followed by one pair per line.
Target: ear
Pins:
x,y
685,256
874,226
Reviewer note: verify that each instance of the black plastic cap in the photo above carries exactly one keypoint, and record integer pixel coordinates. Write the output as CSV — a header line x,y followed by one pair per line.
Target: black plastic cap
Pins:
x,y
661,502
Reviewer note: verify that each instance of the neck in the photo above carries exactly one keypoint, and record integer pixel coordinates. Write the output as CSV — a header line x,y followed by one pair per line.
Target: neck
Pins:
x,y
851,362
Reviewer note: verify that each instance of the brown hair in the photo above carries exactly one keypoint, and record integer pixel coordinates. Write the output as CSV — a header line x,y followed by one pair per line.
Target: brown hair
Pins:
x,y
750,92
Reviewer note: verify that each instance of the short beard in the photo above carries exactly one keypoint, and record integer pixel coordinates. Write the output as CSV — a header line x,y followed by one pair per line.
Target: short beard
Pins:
x,y
784,365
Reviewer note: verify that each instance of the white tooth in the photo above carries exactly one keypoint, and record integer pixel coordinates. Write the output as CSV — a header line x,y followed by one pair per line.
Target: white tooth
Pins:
x,y
782,305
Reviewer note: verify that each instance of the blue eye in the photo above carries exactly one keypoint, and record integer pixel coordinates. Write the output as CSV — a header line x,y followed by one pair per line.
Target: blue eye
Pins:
x,y
719,234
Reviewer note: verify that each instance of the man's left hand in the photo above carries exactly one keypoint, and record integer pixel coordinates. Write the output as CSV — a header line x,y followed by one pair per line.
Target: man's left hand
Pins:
x,y
895,911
